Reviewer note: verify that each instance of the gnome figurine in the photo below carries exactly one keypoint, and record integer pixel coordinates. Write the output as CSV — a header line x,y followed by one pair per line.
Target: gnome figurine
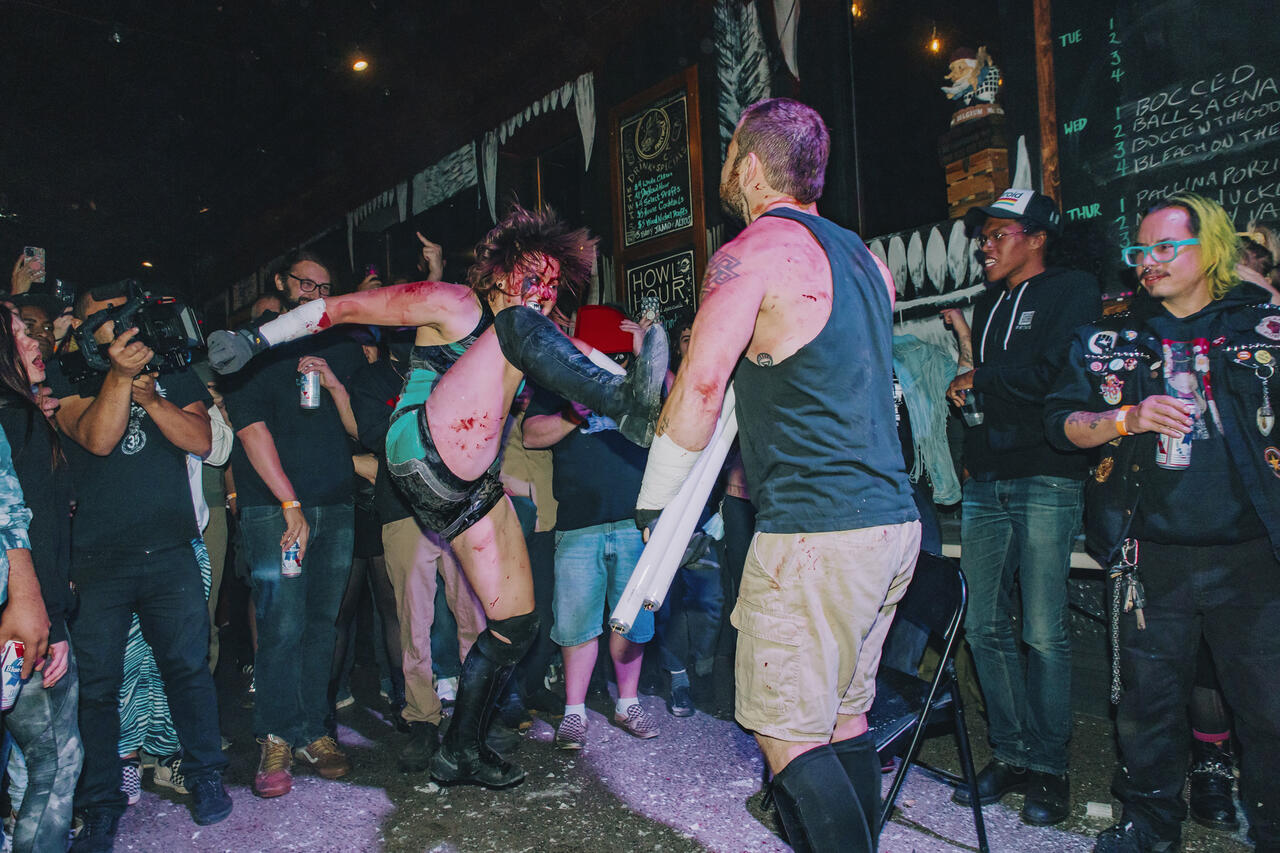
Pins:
x,y
973,77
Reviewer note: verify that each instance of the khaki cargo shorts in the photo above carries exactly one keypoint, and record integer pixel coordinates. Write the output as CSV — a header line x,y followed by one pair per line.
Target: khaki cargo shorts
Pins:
x,y
812,614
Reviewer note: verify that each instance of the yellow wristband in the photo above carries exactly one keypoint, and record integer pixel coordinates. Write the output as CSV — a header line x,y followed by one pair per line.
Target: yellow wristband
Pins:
x,y
290,505
1119,417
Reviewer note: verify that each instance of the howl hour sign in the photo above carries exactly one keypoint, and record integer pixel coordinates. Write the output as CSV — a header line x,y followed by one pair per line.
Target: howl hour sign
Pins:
x,y
668,278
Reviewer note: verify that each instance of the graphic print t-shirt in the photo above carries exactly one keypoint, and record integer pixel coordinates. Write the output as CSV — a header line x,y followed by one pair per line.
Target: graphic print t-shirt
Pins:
x,y
136,498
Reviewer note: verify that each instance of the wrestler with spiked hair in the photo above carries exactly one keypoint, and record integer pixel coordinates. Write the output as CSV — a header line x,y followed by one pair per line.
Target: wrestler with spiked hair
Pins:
x,y
474,346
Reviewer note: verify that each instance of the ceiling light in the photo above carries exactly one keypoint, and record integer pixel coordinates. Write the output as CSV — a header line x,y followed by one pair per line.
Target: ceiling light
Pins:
x,y
935,43
360,64
148,264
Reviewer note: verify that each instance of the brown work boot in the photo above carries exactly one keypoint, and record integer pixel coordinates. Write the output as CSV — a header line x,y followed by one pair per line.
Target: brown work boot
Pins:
x,y
273,778
323,756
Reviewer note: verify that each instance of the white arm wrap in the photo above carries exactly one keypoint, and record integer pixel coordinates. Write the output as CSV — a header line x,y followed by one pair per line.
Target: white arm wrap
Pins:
x,y
300,322
668,467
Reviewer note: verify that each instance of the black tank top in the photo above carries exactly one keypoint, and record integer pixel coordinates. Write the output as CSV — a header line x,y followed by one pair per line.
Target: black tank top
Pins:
x,y
819,441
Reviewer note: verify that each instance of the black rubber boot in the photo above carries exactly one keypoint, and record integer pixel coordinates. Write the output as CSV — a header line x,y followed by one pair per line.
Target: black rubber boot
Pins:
x,y
862,765
463,757
819,806
1211,802
533,344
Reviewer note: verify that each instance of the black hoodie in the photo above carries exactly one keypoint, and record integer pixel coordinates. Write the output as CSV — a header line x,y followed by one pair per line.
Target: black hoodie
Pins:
x,y
1020,342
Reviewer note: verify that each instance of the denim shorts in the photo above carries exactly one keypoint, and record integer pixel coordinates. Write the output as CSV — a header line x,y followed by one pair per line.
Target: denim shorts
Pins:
x,y
593,565
443,502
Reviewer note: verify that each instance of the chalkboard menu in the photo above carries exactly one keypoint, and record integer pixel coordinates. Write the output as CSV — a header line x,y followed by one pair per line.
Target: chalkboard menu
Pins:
x,y
659,233
654,154
1156,98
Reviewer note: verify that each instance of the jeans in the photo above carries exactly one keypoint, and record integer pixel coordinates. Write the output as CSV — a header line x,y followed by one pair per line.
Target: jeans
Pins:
x,y
1231,595
43,724
1027,526
296,618
593,565
165,589
688,623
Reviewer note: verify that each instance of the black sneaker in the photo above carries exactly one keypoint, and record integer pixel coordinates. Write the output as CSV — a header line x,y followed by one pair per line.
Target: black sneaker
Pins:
x,y
424,740
97,832
681,704
1127,838
210,801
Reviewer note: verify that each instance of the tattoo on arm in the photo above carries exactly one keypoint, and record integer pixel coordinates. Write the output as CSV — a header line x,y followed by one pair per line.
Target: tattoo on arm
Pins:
x,y
1087,419
966,351
723,268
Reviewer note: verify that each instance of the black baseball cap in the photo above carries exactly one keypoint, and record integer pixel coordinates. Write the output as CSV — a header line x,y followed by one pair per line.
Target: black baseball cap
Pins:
x,y
1026,206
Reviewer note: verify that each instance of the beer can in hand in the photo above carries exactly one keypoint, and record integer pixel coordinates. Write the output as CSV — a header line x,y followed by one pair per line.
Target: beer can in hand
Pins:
x,y
11,672
309,385
290,565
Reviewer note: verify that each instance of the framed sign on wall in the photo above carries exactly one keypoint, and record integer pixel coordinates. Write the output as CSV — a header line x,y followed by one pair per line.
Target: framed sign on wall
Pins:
x,y
659,226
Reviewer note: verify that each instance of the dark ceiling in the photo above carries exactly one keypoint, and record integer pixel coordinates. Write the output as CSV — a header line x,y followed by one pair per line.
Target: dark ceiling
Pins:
x,y
207,136
175,131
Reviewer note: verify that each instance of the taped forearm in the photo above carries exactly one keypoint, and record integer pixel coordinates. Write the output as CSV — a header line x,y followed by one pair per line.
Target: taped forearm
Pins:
x,y
306,319
668,467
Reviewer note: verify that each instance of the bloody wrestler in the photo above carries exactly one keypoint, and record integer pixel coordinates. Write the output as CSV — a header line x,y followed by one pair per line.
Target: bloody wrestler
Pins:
x,y
474,345
800,312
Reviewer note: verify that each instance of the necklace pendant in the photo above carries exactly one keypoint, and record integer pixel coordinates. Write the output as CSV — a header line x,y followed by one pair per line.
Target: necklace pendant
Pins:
x,y
1266,419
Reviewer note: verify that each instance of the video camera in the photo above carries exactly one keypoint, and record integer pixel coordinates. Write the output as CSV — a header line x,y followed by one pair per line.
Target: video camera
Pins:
x,y
164,324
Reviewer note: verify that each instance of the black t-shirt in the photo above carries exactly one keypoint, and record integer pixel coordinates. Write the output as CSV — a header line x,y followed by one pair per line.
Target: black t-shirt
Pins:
x,y
1171,509
312,444
595,477
375,389
136,498
46,489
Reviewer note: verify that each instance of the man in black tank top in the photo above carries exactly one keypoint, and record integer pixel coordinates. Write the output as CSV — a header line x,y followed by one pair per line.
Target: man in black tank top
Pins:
x,y
803,312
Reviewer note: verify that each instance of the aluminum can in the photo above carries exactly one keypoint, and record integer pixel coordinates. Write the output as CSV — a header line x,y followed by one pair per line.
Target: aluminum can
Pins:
x,y
309,389
11,672
290,565
1173,453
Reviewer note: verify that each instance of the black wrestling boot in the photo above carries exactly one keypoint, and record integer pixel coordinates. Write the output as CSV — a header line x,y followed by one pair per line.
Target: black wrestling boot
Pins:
x,y
1211,802
463,757
819,807
533,344
862,765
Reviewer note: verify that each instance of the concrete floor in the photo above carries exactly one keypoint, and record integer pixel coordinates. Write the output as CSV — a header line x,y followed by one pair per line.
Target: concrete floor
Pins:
x,y
695,787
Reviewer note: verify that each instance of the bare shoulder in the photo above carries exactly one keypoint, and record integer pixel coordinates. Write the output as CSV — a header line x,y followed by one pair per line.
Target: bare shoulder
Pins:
x,y
753,258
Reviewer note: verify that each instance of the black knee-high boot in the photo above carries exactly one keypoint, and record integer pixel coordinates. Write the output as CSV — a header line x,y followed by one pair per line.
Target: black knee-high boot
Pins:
x,y
463,756
862,765
533,344
818,805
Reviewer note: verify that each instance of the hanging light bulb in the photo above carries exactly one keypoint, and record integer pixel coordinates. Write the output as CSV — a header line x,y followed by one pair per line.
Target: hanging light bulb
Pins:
x,y
360,64
935,43
857,10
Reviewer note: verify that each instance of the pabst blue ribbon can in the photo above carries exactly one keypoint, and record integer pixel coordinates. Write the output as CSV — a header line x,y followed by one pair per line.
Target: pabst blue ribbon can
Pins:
x,y
11,672
309,389
290,565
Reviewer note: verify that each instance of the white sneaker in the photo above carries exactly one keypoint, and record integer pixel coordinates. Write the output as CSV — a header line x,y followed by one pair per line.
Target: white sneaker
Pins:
x,y
447,689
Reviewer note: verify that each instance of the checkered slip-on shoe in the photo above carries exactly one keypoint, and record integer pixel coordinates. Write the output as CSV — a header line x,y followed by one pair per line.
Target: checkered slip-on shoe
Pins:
x,y
572,732
637,722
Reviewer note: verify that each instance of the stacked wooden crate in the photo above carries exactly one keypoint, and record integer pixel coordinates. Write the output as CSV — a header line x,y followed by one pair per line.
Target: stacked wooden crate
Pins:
x,y
976,158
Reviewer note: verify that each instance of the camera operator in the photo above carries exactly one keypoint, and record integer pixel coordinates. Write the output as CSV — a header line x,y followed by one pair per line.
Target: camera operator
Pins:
x,y
130,431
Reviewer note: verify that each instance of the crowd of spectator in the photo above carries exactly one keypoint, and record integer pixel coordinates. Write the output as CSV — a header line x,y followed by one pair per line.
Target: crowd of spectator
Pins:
x,y
143,511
